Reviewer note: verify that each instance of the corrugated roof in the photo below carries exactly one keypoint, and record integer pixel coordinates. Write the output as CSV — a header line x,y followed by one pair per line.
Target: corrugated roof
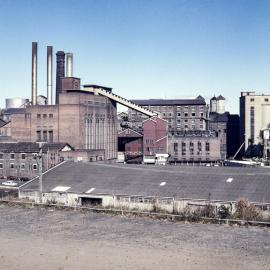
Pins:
x,y
181,182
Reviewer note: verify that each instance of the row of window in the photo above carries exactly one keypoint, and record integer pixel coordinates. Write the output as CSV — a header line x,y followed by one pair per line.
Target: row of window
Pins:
x,y
191,148
22,166
44,115
186,114
45,135
12,156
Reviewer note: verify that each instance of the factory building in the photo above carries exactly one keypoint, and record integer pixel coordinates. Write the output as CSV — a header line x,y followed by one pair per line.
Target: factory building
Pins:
x,y
254,117
86,121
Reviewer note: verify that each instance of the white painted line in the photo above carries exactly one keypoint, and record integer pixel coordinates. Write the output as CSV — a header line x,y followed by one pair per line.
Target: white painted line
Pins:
x,y
229,180
90,190
162,184
61,188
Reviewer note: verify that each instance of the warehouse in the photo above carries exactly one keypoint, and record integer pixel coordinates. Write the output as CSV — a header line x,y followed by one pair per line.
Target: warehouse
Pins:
x,y
170,188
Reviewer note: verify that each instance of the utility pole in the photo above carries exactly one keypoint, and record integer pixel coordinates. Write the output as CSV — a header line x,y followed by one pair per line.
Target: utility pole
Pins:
x,y
40,173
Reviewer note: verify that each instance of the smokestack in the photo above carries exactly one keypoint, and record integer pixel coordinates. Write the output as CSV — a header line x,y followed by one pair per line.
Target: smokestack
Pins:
x,y
60,73
49,74
34,73
69,66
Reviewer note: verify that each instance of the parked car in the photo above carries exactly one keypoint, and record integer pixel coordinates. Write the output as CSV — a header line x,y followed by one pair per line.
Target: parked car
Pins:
x,y
10,183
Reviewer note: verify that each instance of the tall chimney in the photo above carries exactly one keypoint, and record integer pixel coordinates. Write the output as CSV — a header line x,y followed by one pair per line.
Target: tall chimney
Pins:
x,y
60,73
34,73
49,74
69,66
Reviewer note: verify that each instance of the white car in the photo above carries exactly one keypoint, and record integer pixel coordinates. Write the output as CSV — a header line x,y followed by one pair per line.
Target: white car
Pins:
x,y
10,183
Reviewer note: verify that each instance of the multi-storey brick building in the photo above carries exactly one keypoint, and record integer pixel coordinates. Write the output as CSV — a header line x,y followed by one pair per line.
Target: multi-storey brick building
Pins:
x,y
181,114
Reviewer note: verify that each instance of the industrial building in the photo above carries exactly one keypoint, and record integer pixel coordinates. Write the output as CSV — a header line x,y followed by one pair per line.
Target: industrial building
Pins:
x,y
142,187
181,114
254,117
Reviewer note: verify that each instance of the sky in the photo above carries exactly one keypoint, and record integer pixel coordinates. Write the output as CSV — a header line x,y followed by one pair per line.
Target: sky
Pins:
x,y
141,48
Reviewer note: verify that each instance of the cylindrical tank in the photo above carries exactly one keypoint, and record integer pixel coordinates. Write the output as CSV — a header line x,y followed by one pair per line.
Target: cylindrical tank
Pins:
x,y
16,102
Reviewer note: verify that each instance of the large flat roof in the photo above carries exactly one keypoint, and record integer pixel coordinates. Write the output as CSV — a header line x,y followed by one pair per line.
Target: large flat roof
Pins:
x,y
216,183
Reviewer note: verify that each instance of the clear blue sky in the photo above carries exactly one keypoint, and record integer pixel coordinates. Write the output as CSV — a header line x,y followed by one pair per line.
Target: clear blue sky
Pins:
x,y
141,48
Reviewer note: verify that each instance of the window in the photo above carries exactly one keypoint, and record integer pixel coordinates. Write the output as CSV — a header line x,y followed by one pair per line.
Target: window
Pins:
x,y
44,115
50,136
193,114
186,114
183,149
11,165
1,155
23,156
22,166
38,115
38,135
175,148
199,148
50,115
186,126
207,146
266,99
252,99
12,156
252,123
186,120
34,166
1,165
201,114
179,114
45,135
191,148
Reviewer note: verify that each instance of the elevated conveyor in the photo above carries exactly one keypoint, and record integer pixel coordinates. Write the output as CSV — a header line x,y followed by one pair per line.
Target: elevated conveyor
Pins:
x,y
107,93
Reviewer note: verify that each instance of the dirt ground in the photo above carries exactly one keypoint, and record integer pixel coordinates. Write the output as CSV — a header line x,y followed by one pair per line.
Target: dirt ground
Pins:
x,y
35,238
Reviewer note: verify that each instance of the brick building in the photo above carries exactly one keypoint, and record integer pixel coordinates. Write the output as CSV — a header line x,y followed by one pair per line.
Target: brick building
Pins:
x,y
20,160
130,142
84,120
194,146
155,136
181,114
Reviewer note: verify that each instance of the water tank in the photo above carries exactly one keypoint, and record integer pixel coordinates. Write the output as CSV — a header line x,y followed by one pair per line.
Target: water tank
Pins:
x,y
16,102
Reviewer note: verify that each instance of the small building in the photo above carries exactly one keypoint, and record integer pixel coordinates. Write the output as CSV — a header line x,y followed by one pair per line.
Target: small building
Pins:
x,y
194,146
155,136
20,160
130,142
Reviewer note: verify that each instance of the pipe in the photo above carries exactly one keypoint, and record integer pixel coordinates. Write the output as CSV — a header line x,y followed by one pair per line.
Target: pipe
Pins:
x,y
34,73
69,66
49,75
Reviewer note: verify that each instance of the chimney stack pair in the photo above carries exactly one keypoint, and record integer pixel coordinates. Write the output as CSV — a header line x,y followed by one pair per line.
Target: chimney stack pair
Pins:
x,y
60,73
34,73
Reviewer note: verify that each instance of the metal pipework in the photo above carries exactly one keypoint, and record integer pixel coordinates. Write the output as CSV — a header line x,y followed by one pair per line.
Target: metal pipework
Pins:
x,y
34,73
69,65
49,74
